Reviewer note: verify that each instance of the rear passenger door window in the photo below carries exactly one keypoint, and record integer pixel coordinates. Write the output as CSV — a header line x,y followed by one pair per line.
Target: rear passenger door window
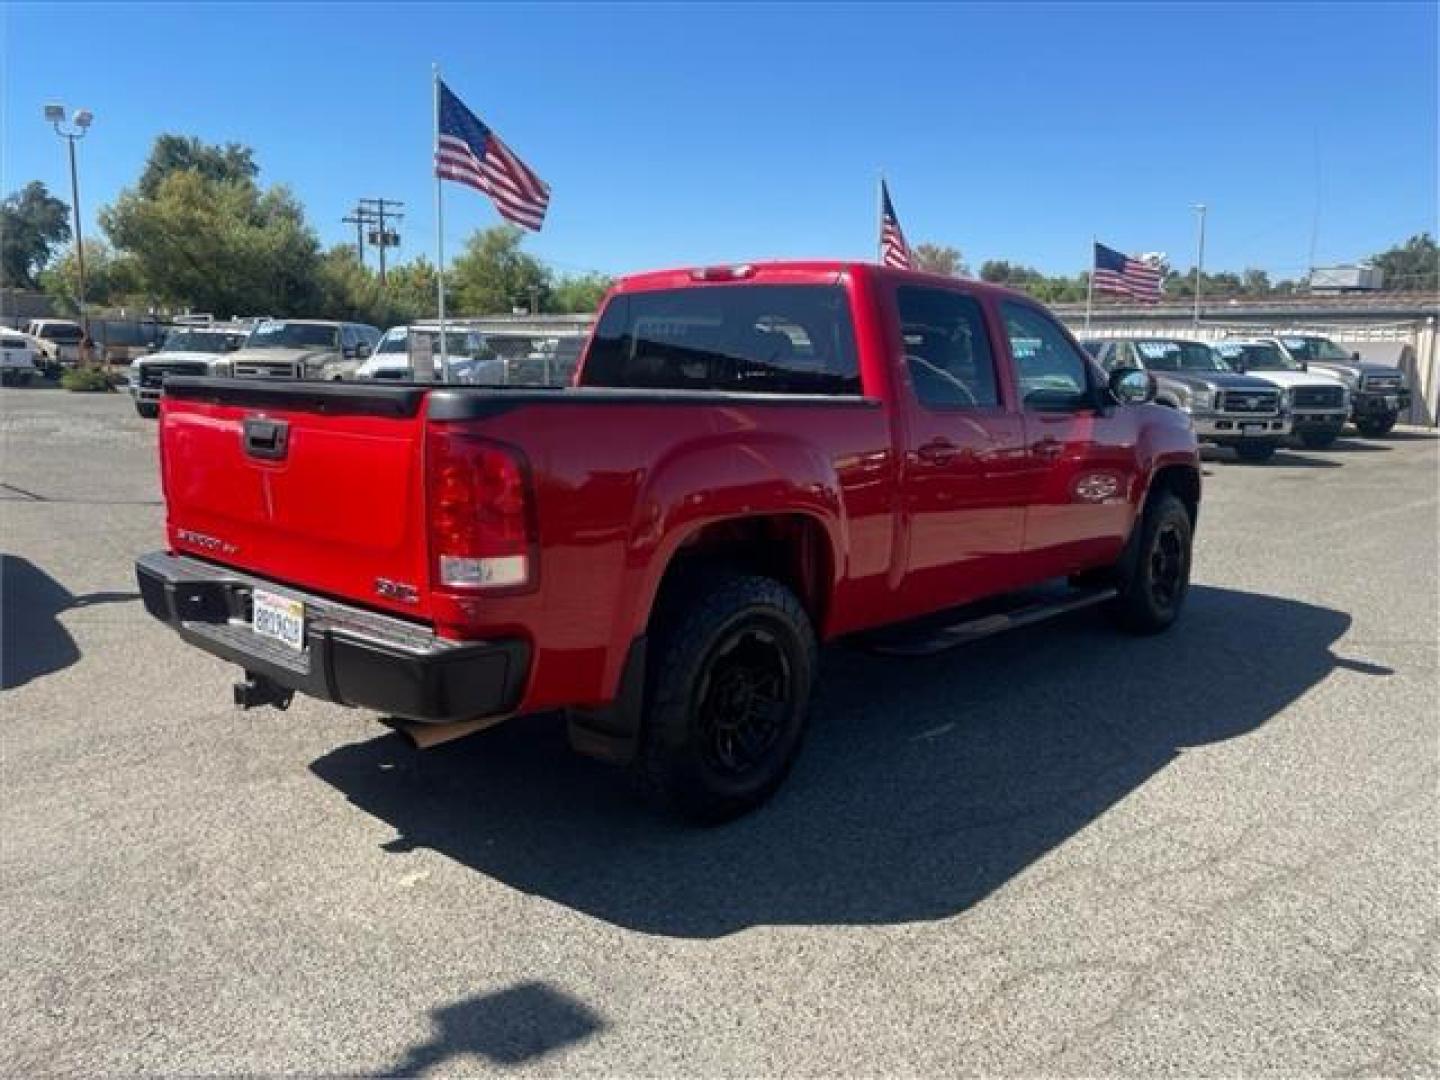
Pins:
x,y
1053,375
946,350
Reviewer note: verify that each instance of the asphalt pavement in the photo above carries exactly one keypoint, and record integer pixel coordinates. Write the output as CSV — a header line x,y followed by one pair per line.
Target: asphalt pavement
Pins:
x,y
1059,852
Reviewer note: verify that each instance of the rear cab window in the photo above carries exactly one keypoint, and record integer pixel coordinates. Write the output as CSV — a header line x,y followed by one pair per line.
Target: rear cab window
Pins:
x,y
768,339
61,332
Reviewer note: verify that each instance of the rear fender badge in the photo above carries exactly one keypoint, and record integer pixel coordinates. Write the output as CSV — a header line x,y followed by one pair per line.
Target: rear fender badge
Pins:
x,y
1096,487
209,543
397,590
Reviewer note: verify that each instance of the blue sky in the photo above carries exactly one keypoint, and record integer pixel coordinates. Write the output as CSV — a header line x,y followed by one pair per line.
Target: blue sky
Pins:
x,y
673,135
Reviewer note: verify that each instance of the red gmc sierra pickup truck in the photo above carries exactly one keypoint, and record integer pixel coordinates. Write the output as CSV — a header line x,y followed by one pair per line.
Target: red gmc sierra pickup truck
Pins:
x,y
752,459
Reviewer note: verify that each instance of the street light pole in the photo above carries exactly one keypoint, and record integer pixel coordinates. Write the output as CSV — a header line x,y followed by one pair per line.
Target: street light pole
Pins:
x,y
79,236
1199,264
79,125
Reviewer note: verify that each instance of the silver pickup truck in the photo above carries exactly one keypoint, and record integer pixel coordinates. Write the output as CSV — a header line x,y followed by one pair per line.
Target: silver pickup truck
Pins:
x,y
1247,414
305,349
1379,393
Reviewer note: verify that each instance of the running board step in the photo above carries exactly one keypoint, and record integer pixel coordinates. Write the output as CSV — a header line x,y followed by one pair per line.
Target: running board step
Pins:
x,y
963,633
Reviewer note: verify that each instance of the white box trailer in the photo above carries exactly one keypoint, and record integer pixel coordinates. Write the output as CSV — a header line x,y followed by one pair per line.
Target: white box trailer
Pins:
x,y
1346,278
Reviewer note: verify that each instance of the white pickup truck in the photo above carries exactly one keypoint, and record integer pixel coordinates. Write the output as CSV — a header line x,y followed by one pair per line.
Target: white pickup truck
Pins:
x,y
19,358
1319,401
187,350
1379,393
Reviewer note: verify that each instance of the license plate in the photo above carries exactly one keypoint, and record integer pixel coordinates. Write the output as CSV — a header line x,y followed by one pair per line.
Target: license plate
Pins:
x,y
1392,401
1252,427
278,618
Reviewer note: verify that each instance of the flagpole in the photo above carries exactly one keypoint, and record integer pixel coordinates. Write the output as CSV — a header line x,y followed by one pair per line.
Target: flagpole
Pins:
x,y
1090,285
880,217
439,234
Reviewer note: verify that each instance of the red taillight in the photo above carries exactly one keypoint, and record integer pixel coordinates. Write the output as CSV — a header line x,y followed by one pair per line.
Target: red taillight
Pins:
x,y
481,526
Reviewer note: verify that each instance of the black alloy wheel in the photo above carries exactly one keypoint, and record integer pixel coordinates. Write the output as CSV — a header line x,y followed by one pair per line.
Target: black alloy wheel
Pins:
x,y
745,692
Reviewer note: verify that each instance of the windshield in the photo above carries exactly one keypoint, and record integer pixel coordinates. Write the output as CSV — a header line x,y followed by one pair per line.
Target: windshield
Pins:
x,y
392,342
207,341
1257,357
401,340
61,332
287,335
1315,348
1180,356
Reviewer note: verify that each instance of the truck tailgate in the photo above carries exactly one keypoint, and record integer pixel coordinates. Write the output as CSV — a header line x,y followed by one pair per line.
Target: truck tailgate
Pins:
x,y
320,486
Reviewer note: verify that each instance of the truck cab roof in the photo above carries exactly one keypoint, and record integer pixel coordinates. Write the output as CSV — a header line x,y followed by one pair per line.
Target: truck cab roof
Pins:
x,y
800,272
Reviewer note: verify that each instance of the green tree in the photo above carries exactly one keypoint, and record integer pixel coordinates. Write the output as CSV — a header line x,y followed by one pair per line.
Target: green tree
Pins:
x,y
492,275
33,223
1255,282
220,245
1052,290
349,290
1413,266
938,259
581,294
412,290
1002,272
110,279
185,153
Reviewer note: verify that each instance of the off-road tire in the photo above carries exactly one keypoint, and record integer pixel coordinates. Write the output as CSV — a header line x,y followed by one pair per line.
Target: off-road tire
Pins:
x,y
1377,425
1255,451
1153,591
148,409
699,665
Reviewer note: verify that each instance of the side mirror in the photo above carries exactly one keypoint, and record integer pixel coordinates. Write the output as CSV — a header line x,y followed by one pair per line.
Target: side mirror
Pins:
x,y
1237,364
1304,365
1131,386
349,352
362,351
1355,356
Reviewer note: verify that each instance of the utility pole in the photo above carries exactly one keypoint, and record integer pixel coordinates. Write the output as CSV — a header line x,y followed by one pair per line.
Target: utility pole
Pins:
x,y
1199,263
359,219
380,211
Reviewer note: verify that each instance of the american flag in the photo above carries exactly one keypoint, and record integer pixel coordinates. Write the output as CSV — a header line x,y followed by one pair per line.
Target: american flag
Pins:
x,y
1135,278
893,249
468,152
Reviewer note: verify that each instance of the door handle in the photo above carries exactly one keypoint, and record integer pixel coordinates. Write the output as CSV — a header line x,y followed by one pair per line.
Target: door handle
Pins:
x,y
1047,447
936,451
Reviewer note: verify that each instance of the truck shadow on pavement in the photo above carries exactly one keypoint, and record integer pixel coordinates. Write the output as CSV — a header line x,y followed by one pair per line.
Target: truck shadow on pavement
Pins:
x,y
33,641
1284,458
1350,444
924,785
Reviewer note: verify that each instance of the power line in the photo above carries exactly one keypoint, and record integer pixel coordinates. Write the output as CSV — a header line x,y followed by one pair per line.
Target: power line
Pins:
x,y
381,237
360,218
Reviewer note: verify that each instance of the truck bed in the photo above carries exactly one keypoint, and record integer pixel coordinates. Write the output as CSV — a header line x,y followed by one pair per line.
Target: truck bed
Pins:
x,y
614,475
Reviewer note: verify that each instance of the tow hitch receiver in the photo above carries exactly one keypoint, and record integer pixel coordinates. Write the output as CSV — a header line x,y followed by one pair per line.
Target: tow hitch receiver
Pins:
x,y
255,690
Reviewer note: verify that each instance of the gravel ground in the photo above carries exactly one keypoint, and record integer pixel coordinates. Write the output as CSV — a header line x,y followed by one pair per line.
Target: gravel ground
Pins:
x,y
1059,852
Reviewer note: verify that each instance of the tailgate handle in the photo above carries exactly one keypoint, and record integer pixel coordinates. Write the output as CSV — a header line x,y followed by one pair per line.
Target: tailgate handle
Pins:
x,y
266,439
